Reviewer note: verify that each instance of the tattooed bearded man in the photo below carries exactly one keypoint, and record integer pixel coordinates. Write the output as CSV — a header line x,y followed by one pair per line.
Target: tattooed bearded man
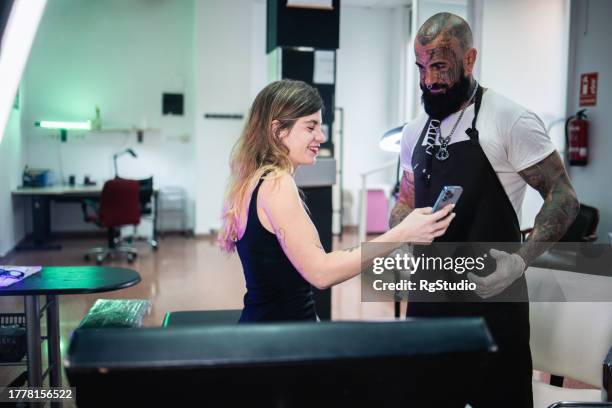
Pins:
x,y
492,147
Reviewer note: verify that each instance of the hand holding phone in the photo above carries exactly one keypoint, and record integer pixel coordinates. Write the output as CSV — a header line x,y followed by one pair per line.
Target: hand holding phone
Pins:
x,y
448,195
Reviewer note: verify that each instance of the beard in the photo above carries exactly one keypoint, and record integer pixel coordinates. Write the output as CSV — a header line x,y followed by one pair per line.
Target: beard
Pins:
x,y
442,105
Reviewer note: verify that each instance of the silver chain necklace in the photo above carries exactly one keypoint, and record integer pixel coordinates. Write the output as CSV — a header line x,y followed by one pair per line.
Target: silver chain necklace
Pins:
x,y
442,153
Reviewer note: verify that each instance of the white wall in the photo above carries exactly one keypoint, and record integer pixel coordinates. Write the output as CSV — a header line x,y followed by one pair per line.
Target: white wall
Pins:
x,y
230,62
212,50
369,94
523,56
12,153
591,33
127,53
367,89
121,56
125,56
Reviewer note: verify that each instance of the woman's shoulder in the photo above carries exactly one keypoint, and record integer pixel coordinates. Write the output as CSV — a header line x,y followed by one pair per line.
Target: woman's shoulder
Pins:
x,y
278,181
278,188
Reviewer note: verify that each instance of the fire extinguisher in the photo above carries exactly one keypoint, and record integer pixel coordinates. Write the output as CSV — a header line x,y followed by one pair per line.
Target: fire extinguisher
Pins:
x,y
577,138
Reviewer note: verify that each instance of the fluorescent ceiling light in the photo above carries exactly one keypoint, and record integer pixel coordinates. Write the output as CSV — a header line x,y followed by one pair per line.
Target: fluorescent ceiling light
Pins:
x,y
17,41
48,124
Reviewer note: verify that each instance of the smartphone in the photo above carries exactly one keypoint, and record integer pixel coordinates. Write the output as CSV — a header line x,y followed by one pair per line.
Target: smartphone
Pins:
x,y
448,195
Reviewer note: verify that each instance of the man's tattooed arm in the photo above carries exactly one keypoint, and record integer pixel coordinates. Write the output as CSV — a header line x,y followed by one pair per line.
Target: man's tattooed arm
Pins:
x,y
560,206
405,201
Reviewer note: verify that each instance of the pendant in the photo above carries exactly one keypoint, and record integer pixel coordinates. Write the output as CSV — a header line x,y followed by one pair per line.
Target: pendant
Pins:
x,y
442,154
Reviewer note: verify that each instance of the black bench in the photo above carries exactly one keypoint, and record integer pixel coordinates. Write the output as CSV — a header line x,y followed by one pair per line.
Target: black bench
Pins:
x,y
285,364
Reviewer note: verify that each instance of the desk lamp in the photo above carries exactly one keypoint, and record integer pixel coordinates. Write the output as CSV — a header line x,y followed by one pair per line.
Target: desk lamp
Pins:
x,y
121,153
390,140
63,126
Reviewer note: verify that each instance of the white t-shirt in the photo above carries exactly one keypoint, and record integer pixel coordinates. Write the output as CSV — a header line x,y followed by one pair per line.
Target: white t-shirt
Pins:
x,y
512,137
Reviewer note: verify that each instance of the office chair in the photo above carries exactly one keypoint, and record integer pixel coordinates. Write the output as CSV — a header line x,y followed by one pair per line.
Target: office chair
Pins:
x,y
119,206
146,208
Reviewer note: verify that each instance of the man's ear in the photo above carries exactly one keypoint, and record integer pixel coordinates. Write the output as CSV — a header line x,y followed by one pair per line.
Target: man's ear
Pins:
x,y
469,60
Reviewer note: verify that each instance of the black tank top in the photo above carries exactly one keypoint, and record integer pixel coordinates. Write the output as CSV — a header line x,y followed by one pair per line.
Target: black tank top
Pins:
x,y
275,289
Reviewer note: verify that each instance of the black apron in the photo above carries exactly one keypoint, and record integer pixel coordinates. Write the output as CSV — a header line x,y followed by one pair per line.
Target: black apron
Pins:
x,y
483,214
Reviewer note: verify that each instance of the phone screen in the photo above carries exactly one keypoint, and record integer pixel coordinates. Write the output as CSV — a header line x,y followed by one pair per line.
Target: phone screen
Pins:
x,y
448,195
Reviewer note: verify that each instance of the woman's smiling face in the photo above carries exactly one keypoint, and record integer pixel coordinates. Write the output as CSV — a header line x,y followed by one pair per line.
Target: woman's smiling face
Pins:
x,y
304,139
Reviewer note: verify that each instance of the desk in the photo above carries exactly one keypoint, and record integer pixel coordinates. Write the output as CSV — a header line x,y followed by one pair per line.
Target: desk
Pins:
x,y
41,198
52,282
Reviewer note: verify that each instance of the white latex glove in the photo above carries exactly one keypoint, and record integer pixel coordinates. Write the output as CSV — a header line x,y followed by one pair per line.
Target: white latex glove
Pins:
x,y
510,267
404,249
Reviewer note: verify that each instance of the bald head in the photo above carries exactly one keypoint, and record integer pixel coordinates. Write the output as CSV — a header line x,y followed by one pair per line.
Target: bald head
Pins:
x,y
443,50
445,57
447,27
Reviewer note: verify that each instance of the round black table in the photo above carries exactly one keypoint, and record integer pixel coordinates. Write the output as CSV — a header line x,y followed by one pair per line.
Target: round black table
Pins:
x,y
51,282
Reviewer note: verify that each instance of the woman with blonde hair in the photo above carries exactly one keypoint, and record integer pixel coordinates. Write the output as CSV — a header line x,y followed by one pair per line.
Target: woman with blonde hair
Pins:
x,y
265,220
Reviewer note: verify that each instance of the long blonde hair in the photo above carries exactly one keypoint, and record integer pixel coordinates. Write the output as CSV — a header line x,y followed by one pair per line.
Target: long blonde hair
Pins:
x,y
260,150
